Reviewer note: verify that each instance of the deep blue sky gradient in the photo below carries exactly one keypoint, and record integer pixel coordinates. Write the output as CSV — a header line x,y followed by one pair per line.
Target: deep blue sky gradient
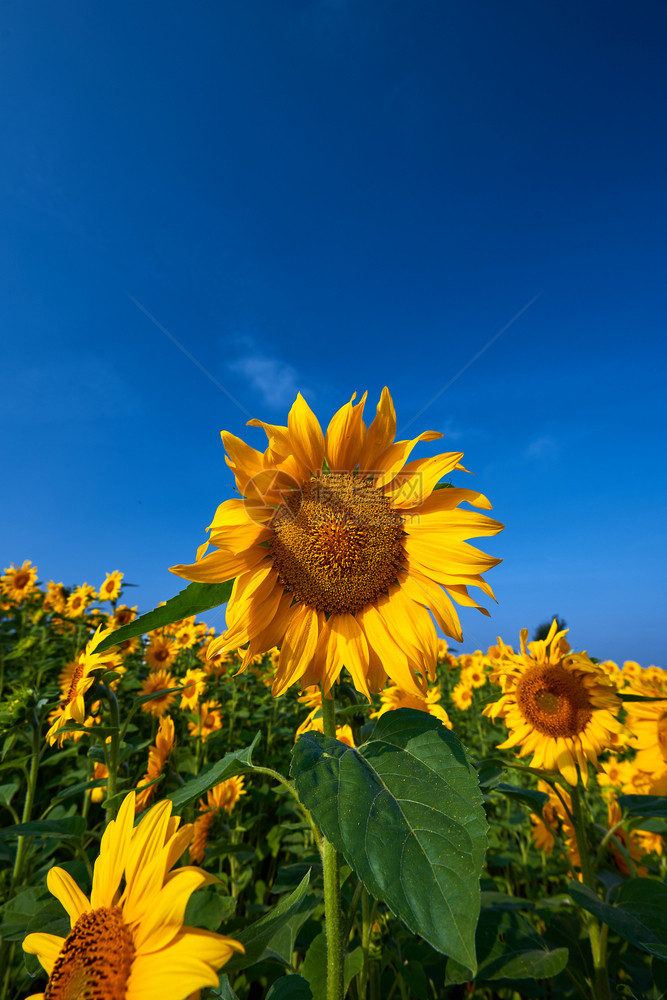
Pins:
x,y
329,196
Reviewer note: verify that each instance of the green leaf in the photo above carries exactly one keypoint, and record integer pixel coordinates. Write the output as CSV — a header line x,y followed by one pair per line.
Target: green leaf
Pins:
x,y
290,988
527,796
18,912
314,967
256,937
405,810
232,763
7,793
644,805
208,908
224,990
639,914
71,826
508,948
194,600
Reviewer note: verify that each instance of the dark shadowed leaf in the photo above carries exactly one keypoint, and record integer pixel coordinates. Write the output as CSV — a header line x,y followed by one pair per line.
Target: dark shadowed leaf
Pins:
x,y
290,988
639,913
406,812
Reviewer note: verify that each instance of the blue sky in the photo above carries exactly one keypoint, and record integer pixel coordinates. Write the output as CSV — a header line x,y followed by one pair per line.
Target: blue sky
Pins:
x,y
329,196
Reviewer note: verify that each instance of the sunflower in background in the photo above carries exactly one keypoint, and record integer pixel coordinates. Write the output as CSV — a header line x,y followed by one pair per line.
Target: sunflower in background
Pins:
x,y
221,798
128,939
559,706
19,582
393,697
339,549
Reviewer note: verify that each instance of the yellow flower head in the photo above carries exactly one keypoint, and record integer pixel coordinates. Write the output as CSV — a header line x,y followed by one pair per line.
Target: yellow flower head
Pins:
x,y
557,705
208,721
340,548
158,680
647,720
78,600
157,756
194,685
72,705
18,582
123,615
110,589
54,598
128,939
392,698
160,653
222,797
555,821
462,696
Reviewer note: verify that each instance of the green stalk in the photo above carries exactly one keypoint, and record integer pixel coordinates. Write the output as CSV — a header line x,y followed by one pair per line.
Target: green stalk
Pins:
x,y
28,802
331,867
598,939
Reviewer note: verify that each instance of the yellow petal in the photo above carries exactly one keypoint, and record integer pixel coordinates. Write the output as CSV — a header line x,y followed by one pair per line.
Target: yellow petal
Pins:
x,y
352,650
417,479
298,649
393,458
345,437
306,435
381,433
394,659
47,947
165,917
220,566
114,849
61,885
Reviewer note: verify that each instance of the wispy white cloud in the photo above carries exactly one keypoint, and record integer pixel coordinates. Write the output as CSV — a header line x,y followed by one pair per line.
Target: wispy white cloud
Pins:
x,y
541,447
275,380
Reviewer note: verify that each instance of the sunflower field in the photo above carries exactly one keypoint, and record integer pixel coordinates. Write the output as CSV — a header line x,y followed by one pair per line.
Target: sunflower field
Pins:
x,y
325,800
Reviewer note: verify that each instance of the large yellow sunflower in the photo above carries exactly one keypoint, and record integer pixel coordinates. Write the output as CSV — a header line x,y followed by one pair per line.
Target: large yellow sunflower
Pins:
x,y
340,550
129,941
648,722
558,705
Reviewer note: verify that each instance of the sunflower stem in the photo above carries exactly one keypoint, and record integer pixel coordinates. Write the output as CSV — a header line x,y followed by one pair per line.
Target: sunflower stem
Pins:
x,y
598,937
331,868
28,802
114,740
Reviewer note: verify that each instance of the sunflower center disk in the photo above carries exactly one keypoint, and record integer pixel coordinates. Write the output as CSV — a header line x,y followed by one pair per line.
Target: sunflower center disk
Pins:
x,y
337,543
555,701
662,734
95,960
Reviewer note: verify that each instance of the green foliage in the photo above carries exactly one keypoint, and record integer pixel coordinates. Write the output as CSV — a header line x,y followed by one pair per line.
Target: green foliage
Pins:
x,y
406,813
194,600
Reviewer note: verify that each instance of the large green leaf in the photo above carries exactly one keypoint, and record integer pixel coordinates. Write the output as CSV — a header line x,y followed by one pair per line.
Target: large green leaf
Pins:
x,y
70,826
508,948
256,937
232,763
194,600
639,914
406,812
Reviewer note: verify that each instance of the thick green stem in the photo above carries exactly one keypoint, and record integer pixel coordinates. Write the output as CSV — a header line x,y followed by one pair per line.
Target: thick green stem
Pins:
x,y
598,939
28,802
331,867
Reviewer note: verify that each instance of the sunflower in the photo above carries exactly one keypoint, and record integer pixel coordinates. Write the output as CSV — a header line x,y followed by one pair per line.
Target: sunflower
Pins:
x,y
19,582
79,599
157,756
340,549
393,697
222,797
160,653
648,722
54,598
110,589
194,685
156,682
208,721
123,615
129,941
558,705
556,820
72,707
462,696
